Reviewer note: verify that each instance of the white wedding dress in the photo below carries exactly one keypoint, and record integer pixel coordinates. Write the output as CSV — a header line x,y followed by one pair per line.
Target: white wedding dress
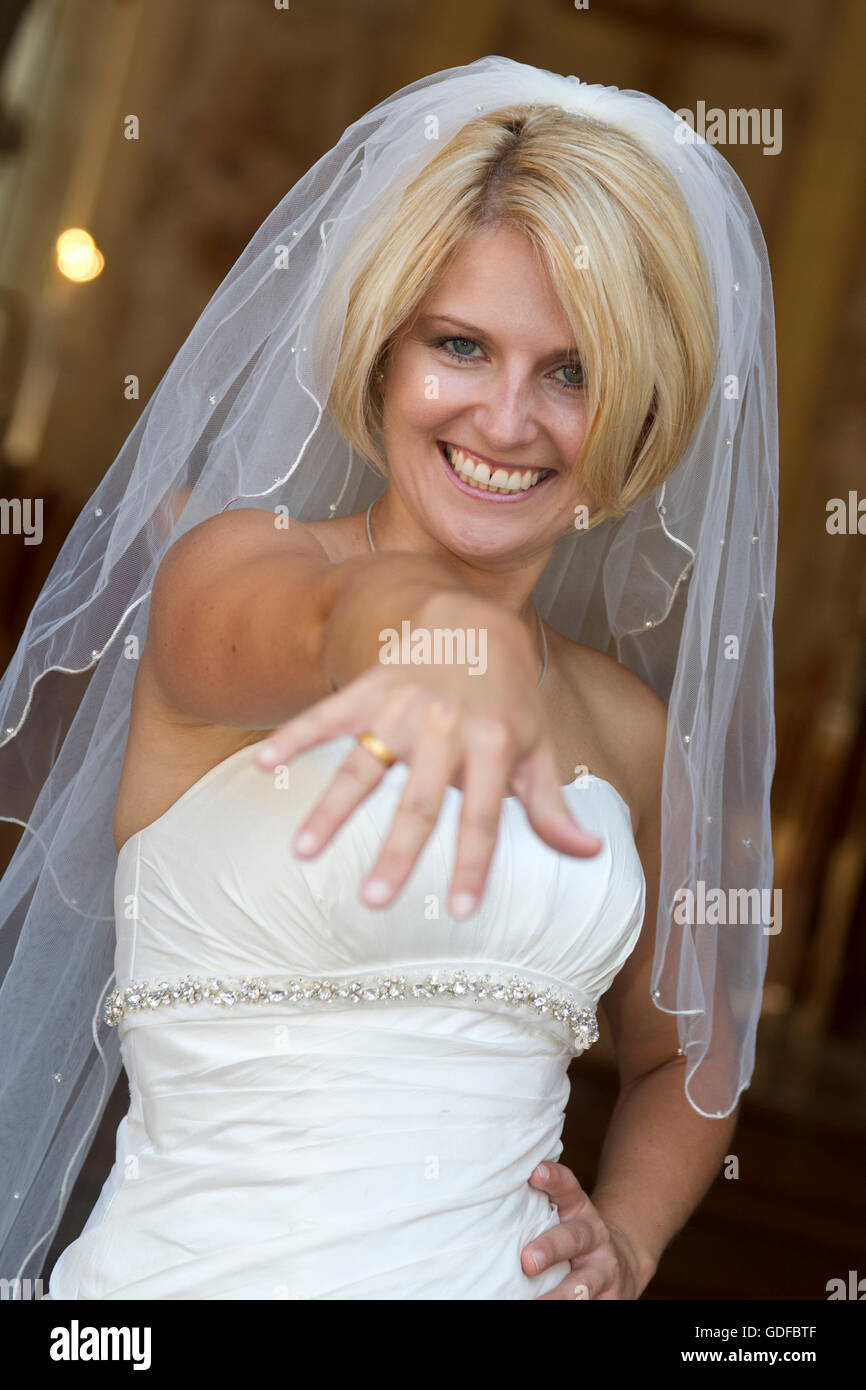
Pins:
x,y
366,1127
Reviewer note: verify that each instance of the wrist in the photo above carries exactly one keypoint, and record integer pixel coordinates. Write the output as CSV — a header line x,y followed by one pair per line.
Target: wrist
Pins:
x,y
366,594
460,608
643,1265
642,1261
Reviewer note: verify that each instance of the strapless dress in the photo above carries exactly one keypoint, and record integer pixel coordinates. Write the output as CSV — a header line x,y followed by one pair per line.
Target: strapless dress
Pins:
x,y
330,1101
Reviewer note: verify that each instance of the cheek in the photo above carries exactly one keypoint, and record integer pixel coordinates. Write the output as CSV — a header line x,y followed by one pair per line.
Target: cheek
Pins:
x,y
568,429
570,419
415,402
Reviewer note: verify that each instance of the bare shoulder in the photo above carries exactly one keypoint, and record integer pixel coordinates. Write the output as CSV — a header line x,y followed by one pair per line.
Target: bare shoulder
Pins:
x,y
200,576
629,719
243,531
238,533
167,749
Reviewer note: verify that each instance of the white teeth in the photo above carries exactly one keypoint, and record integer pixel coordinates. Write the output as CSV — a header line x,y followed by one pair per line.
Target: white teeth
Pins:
x,y
477,473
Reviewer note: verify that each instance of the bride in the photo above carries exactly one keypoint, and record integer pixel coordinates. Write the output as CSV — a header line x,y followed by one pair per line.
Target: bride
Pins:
x,y
378,838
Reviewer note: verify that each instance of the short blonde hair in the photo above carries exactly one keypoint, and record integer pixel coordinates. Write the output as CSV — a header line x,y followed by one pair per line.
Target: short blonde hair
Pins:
x,y
641,308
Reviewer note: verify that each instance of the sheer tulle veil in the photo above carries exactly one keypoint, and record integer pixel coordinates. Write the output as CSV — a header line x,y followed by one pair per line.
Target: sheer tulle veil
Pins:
x,y
240,418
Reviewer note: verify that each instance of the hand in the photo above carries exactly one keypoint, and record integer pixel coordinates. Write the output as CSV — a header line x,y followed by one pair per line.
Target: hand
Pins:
x,y
603,1262
488,731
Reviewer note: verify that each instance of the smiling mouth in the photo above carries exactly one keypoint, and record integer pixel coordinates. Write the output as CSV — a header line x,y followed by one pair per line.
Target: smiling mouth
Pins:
x,y
484,477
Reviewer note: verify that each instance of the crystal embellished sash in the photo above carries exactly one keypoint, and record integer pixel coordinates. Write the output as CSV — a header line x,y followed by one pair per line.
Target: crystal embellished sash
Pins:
x,y
519,992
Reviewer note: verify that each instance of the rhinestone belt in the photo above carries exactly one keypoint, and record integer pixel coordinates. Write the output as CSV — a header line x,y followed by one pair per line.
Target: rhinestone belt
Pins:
x,y
455,984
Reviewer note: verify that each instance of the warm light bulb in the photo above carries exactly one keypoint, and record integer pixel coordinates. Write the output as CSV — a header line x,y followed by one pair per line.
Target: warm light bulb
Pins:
x,y
78,257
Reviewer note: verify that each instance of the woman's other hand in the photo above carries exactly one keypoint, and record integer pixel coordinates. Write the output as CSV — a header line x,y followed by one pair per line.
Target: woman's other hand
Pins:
x,y
603,1263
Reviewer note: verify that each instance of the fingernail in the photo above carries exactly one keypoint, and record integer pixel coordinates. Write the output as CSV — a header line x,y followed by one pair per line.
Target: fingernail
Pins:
x,y
268,753
304,842
462,904
542,1171
377,890
537,1259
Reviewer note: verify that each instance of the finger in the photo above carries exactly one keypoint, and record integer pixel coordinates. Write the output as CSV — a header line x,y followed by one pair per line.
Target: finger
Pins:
x,y
549,814
485,783
578,1286
361,771
561,1186
354,779
326,719
419,806
571,1240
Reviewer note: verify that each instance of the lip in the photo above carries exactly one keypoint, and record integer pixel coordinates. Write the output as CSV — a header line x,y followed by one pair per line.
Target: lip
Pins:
x,y
490,496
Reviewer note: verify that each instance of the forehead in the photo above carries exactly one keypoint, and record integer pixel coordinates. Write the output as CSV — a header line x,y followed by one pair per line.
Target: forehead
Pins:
x,y
497,282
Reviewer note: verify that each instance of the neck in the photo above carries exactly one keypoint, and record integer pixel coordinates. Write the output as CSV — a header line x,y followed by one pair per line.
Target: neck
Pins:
x,y
509,581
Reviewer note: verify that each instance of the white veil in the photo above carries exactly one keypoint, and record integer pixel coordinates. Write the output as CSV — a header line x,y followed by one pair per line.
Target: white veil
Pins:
x,y
241,415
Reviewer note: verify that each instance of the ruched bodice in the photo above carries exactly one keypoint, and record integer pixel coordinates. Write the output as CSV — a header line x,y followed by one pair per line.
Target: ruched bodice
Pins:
x,y
331,1101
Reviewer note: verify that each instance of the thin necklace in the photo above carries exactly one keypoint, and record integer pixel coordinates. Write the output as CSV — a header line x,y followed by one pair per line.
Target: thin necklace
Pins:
x,y
534,609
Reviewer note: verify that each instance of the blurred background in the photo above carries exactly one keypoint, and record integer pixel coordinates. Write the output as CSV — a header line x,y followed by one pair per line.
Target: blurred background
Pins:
x,y
142,142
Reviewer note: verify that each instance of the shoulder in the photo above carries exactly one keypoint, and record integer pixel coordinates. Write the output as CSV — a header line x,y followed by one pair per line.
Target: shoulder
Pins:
x,y
247,531
630,721
203,560
203,580
240,533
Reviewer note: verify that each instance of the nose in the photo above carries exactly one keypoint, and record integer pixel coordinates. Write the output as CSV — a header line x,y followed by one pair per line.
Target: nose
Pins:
x,y
504,412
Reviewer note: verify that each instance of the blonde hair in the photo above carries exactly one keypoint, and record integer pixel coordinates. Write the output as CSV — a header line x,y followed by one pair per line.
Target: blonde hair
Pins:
x,y
641,308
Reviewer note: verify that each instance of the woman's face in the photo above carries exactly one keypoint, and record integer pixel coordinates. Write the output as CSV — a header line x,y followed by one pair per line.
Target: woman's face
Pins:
x,y
487,375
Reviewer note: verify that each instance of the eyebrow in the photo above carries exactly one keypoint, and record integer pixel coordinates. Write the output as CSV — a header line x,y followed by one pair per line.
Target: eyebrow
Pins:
x,y
480,333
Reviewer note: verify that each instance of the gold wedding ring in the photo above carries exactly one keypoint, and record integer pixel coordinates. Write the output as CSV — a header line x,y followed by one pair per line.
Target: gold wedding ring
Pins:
x,y
379,749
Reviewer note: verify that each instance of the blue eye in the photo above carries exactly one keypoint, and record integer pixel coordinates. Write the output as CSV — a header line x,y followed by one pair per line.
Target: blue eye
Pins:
x,y
459,354
577,368
464,342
